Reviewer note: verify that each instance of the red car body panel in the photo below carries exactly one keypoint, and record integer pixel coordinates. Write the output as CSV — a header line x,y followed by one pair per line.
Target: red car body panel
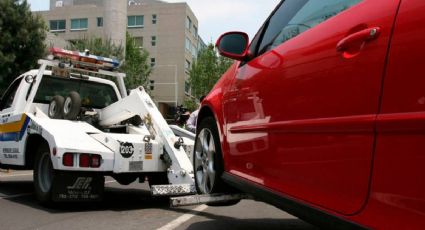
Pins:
x,y
341,130
397,197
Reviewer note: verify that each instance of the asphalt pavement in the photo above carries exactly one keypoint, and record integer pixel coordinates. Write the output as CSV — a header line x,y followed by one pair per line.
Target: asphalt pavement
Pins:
x,y
130,207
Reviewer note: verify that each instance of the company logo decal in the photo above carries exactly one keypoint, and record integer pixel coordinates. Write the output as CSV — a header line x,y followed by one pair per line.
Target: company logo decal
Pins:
x,y
126,150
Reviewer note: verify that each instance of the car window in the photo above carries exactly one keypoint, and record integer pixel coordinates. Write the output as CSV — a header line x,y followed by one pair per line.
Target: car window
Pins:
x,y
93,94
296,16
9,95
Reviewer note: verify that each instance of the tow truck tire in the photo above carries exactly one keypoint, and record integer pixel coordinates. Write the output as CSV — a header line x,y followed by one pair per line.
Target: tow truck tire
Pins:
x,y
208,162
56,107
44,175
72,106
125,179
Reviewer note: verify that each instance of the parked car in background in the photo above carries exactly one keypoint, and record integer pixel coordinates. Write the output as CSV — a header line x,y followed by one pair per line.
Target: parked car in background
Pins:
x,y
323,114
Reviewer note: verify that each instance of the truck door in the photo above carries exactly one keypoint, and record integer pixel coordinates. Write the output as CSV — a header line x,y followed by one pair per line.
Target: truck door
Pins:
x,y
13,125
308,101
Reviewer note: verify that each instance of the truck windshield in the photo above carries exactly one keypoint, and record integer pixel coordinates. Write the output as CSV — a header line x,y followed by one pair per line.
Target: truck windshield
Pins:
x,y
93,94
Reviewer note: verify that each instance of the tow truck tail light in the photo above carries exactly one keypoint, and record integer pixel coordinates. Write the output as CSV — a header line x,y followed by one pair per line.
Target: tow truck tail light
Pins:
x,y
68,159
84,160
96,161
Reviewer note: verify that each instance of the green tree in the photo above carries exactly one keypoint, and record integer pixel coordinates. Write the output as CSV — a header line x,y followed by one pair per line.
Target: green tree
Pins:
x,y
206,71
190,104
22,36
98,46
135,66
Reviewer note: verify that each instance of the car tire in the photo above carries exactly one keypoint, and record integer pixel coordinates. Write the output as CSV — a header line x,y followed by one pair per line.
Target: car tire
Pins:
x,y
56,107
44,175
208,162
72,106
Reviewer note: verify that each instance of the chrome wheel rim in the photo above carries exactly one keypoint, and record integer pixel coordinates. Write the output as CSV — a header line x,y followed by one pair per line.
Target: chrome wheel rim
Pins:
x,y
52,108
204,161
45,175
67,105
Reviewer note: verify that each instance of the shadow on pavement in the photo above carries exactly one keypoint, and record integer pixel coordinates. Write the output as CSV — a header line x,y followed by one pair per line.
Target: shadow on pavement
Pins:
x,y
10,188
226,222
252,224
115,199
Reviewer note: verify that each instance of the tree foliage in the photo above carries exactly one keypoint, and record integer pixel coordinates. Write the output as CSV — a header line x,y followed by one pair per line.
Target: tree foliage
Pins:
x,y
190,104
22,36
206,71
135,66
98,46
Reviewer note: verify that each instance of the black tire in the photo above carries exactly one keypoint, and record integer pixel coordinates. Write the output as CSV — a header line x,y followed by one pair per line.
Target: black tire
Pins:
x,y
44,175
125,179
72,106
56,107
208,162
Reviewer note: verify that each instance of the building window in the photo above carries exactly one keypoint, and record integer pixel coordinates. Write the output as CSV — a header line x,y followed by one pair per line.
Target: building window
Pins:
x,y
99,22
153,42
138,41
154,18
186,87
195,30
194,51
188,44
153,62
151,84
188,23
57,25
135,21
187,65
79,24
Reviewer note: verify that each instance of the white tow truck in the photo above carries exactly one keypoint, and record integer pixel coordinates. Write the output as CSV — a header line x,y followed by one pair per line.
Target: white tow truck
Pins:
x,y
73,128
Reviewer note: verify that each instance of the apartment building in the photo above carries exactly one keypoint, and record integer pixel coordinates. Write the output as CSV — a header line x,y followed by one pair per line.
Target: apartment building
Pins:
x,y
168,31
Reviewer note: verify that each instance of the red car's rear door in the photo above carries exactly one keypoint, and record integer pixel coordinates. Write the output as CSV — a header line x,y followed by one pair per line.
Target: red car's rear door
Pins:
x,y
398,185
305,112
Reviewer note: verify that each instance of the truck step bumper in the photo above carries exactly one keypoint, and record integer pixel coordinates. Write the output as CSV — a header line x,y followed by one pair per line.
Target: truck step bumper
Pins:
x,y
173,190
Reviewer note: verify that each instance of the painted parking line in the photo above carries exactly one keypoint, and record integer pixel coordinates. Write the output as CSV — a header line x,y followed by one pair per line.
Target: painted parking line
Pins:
x,y
111,181
183,218
15,175
15,195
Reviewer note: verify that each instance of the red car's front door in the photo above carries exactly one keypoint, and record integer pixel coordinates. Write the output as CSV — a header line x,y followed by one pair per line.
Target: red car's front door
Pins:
x,y
303,122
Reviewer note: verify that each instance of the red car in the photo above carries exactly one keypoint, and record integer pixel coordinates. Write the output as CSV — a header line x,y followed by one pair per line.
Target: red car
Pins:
x,y
323,114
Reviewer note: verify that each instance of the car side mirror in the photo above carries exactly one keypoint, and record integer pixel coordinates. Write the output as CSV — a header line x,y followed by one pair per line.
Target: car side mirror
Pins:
x,y
233,45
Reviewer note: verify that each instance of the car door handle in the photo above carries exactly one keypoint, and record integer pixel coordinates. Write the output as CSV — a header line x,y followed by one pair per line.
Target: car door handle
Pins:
x,y
358,37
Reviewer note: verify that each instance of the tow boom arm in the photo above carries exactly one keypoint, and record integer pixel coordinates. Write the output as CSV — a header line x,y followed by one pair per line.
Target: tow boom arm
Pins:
x,y
180,171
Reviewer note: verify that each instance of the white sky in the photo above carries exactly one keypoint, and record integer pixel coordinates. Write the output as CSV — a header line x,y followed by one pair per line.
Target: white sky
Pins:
x,y
216,16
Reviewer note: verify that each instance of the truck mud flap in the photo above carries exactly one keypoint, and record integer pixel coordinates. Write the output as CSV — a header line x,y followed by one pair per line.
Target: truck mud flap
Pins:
x,y
78,187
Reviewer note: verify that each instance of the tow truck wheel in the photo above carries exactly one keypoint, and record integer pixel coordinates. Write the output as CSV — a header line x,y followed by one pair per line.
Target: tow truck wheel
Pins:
x,y
43,175
72,106
56,107
125,179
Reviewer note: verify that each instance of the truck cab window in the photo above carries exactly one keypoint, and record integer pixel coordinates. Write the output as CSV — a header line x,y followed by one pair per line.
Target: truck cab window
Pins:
x,y
8,97
93,94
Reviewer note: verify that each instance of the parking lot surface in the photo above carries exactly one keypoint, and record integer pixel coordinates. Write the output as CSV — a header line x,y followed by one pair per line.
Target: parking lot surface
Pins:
x,y
129,207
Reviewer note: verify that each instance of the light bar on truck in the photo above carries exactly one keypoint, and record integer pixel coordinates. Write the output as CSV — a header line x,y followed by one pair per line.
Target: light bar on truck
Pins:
x,y
85,60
